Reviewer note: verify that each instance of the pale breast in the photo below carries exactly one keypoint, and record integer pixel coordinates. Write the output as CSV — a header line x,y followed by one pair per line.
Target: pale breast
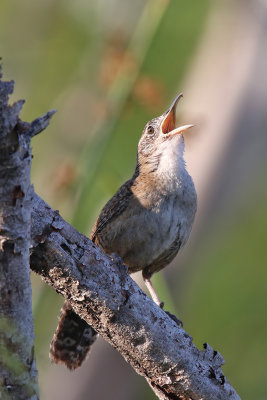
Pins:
x,y
155,220
149,236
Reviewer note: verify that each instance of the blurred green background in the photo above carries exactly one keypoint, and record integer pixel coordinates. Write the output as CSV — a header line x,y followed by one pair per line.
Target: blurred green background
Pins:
x,y
108,66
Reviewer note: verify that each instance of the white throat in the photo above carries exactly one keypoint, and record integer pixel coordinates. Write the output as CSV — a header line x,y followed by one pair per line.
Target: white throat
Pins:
x,y
172,164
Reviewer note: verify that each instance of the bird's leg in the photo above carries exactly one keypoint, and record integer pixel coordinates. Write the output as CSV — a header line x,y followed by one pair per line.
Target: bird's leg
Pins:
x,y
153,293
151,289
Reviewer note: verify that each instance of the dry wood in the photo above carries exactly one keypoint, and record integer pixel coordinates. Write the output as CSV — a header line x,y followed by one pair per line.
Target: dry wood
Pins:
x,y
18,373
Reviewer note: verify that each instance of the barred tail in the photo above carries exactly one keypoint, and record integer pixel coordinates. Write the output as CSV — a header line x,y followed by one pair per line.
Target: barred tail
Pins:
x,y
72,339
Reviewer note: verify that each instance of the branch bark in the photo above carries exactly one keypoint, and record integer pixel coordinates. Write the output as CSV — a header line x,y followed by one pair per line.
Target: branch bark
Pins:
x,y
18,373
106,297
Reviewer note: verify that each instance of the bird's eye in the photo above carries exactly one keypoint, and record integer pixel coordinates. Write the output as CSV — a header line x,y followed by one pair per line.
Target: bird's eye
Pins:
x,y
150,130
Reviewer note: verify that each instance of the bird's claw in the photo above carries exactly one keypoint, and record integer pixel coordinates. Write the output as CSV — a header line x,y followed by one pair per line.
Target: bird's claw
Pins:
x,y
172,316
175,319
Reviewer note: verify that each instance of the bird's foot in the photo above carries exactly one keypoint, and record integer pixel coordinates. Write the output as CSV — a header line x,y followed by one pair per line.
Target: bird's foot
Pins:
x,y
172,316
156,299
175,319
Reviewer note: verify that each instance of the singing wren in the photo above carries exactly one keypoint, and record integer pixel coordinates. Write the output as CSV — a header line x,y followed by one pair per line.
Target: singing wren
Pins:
x,y
147,221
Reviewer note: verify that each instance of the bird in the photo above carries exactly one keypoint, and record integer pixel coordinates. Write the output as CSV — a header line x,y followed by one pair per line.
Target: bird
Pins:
x,y
146,223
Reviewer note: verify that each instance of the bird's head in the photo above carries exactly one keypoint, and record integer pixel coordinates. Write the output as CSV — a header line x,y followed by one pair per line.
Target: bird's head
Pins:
x,y
161,140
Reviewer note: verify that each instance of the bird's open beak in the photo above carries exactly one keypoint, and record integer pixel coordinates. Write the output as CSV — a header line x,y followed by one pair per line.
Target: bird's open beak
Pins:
x,y
168,125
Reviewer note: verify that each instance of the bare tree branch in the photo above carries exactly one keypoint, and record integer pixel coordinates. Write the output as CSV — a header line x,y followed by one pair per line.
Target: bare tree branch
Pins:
x,y
104,295
18,373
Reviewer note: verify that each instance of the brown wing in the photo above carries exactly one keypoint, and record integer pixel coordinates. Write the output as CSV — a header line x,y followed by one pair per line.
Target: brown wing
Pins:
x,y
165,257
114,207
